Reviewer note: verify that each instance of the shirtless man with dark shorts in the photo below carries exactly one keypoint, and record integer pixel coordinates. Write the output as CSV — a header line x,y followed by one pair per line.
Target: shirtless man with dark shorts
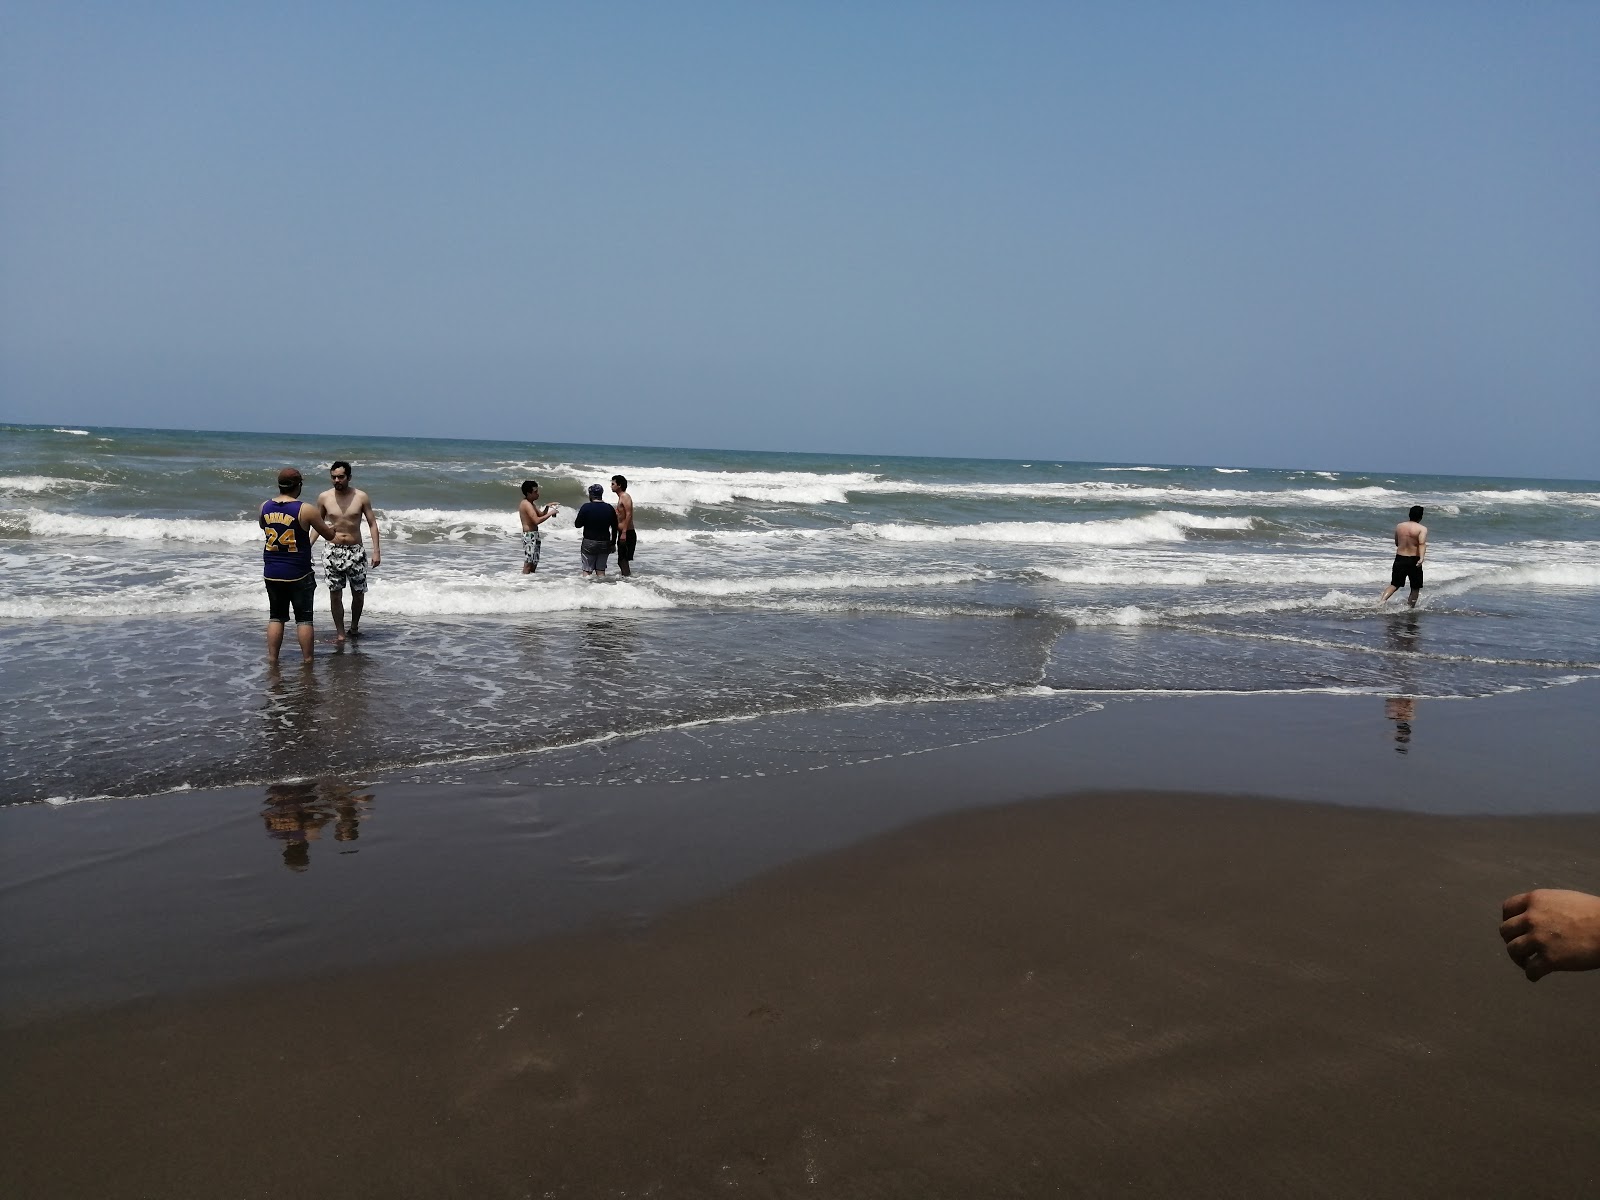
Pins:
x,y
1410,548
345,507
627,539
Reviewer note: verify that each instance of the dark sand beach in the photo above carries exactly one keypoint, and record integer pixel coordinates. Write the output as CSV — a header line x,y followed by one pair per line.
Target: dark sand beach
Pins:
x,y
950,980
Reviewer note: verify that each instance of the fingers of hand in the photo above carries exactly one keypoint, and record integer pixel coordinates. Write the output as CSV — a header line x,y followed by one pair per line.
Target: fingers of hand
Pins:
x,y
1515,926
1514,905
1525,951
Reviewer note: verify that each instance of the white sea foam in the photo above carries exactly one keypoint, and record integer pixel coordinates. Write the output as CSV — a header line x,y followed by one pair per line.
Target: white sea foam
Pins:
x,y
458,594
76,432
814,582
1541,575
236,532
1133,614
680,489
1124,531
33,484
1530,496
1231,470
1160,469
1261,570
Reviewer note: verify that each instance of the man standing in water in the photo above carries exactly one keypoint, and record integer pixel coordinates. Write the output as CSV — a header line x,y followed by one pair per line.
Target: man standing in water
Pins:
x,y
626,538
598,520
532,516
1410,548
286,562
345,507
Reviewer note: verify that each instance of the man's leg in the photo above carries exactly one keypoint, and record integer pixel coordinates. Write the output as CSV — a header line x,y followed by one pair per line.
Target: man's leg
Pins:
x,y
274,641
306,633
1387,592
1411,600
336,603
356,602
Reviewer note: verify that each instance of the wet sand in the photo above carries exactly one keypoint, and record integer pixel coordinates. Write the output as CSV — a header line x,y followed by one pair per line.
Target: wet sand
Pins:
x,y
1100,994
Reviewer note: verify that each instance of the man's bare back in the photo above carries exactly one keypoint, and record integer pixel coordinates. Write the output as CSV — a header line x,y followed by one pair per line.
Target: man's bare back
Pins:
x,y
1410,538
1410,548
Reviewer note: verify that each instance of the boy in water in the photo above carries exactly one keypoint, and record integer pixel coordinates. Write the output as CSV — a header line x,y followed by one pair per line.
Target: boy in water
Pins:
x,y
1410,548
532,516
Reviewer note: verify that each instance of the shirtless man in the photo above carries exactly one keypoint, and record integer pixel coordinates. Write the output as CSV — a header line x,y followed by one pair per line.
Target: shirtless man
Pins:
x,y
532,517
1410,548
626,538
344,508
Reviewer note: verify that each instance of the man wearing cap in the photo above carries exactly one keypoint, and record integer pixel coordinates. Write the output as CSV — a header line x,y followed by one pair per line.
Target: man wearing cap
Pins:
x,y
288,523
598,520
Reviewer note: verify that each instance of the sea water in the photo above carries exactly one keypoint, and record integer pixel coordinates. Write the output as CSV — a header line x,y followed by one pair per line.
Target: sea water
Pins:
x,y
969,597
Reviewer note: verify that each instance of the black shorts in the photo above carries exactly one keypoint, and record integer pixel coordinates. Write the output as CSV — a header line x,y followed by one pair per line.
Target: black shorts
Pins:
x,y
282,593
1407,569
625,545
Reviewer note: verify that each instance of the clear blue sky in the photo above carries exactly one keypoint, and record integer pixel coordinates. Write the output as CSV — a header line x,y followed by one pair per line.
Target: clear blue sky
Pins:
x,y
1303,234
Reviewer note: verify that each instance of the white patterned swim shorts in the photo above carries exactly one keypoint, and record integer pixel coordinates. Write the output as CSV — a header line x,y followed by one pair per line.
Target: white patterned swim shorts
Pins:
x,y
346,564
530,547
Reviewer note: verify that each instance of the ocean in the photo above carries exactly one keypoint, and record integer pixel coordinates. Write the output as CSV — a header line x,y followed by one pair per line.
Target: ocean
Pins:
x,y
875,606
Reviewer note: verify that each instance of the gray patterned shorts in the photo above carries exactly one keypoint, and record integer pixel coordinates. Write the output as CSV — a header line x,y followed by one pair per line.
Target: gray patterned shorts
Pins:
x,y
530,547
346,564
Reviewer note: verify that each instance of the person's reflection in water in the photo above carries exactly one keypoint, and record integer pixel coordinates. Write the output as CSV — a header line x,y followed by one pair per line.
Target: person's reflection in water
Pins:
x,y
296,813
1402,637
1401,710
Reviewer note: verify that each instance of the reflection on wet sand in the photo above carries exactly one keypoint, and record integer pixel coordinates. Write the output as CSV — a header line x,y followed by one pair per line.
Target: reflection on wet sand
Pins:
x,y
313,716
1402,636
296,813
1401,710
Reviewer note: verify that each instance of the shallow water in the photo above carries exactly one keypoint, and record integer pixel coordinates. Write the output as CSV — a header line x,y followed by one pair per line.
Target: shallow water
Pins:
x,y
130,634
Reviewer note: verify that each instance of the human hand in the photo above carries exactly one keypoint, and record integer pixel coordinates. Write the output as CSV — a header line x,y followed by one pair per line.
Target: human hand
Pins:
x,y
1552,930
377,561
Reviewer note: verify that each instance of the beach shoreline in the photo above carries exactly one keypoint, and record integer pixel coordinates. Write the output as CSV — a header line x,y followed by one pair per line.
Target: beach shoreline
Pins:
x,y
970,971
1098,994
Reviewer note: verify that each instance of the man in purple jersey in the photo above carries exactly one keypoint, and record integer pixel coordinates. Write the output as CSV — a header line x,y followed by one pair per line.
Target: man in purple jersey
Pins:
x,y
288,523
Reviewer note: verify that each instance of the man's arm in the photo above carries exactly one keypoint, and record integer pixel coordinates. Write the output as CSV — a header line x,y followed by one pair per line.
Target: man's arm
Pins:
x,y
1422,543
372,524
311,518
1552,930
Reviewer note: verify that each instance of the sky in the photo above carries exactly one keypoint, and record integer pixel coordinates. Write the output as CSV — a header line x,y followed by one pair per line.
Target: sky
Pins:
x,y
1336,235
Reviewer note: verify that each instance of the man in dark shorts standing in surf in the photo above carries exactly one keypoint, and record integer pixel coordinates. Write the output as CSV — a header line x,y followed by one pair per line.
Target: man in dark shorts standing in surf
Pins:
x,y
287,522
1410,548
626,538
